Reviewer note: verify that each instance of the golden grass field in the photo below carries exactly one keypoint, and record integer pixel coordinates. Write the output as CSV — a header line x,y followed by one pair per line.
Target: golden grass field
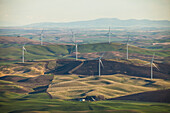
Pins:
x,y
111,86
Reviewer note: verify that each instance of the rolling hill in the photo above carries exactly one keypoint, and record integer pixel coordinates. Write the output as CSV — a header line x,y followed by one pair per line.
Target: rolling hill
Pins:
x,y
80,78
48,85
10,52
103,23
52,78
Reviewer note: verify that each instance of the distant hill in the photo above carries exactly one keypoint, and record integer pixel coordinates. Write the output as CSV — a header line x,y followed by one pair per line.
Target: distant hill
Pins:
x,y
103,22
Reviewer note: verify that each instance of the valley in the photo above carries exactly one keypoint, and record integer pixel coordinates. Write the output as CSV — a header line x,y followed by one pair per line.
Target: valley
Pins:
x,y
52,80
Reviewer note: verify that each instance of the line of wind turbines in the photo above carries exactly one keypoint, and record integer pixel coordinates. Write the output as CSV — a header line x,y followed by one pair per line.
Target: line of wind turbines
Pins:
x,y
100,58
24,49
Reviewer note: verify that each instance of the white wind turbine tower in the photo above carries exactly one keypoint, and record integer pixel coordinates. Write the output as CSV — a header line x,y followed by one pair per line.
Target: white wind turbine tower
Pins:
x,y
23,53
41,37
100,62
76,51
73,36
127,49
153,64
75,42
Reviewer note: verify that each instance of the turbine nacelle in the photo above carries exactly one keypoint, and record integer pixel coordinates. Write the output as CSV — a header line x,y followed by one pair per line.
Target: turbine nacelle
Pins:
x,y
24,48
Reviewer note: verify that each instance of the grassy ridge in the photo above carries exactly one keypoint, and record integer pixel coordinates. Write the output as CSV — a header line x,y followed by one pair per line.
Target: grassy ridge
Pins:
x,y
62,51
34,52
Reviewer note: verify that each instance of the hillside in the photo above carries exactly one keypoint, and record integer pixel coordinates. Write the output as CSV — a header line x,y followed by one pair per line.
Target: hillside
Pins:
x,y
11,53
110,86
150,96
113,67
48,85
42,104
73,76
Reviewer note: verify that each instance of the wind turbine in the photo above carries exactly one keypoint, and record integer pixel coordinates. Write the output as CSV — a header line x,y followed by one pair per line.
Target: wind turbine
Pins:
x,y
76,51
23,52
127,48
75,42
41,37
100,62
109,34
152,64
73,36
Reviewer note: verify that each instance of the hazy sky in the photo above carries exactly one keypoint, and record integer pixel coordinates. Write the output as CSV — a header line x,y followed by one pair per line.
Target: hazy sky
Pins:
x,y
21,12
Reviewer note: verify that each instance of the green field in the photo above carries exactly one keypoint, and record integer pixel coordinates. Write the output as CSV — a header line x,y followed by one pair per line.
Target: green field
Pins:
x,y
36,52
38,103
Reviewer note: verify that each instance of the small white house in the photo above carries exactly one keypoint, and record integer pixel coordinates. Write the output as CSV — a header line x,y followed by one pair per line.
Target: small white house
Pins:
x,y
82,100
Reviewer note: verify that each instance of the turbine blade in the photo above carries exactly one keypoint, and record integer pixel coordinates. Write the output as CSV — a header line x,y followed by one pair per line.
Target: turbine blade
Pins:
x,y
156,66
101,63
102,55
146,64
93,99
127,40
24,48
153,58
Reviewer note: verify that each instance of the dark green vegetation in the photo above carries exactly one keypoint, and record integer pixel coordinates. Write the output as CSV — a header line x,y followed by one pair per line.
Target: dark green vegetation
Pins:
x,y
19,103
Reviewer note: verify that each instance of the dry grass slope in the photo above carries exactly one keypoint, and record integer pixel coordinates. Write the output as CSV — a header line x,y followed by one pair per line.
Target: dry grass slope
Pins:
x,y
111,86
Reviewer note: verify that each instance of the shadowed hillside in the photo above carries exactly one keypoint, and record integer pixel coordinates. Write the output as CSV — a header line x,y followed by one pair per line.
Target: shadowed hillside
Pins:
x,y
132,67
150,96
112,67
30,85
